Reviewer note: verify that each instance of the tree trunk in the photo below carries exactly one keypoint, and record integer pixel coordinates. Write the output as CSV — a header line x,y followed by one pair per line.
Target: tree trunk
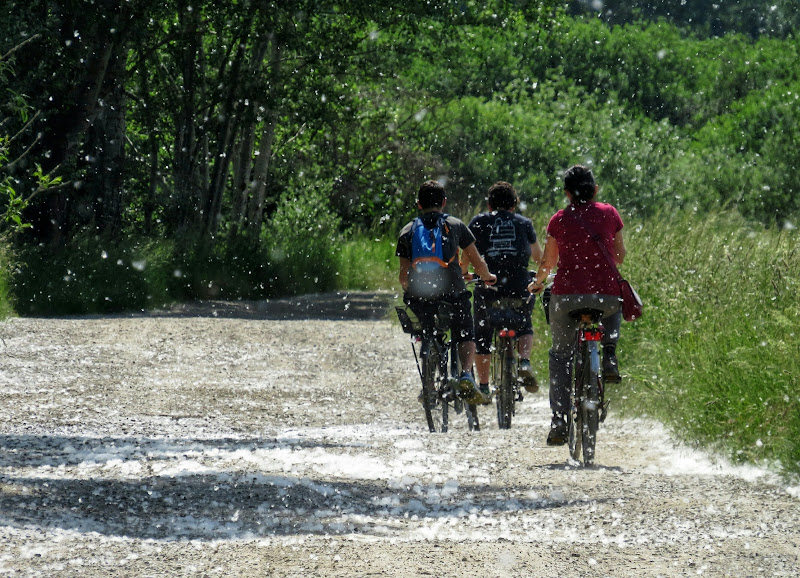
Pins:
x,y
243,167
185,201
107,148
258,186
212,203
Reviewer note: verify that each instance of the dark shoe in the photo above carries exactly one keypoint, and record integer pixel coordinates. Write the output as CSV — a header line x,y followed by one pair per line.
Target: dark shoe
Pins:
x,y
477,397
525,372
558,431
469,390
486,393
610,365
466,383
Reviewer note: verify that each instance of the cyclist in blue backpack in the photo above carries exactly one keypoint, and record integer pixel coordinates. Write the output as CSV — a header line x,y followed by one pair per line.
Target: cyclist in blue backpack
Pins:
x,y
508,243
431,270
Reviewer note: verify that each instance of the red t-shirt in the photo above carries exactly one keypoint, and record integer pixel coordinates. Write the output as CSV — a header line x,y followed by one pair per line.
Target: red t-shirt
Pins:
x,y
582,266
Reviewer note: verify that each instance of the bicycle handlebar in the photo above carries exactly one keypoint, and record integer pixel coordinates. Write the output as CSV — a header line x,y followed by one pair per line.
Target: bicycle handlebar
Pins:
x,y
481,283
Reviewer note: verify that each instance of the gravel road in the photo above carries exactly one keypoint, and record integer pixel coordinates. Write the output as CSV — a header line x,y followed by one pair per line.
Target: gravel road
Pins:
x,y
284,438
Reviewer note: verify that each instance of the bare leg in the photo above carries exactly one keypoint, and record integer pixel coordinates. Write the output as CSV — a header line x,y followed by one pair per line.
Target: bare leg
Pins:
x,y
524,346
466,354
483,365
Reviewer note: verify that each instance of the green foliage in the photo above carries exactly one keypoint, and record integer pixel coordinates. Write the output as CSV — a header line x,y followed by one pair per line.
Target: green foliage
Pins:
x,y
90,278
717,353
752,17
242,272
6,298
303,242
488,141
367,263
756,153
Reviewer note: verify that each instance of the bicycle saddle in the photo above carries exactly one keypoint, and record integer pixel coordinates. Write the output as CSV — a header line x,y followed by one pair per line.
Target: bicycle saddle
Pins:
x,y
595,314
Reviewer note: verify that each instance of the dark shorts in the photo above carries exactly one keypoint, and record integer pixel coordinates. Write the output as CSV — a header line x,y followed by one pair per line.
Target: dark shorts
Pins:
x,y
461,325
484,329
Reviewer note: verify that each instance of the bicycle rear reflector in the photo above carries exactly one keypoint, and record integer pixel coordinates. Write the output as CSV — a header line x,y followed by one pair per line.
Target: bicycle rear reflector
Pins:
x,y
589,335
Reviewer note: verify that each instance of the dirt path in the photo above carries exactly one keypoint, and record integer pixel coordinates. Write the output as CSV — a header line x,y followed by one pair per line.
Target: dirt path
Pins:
x,y
284,439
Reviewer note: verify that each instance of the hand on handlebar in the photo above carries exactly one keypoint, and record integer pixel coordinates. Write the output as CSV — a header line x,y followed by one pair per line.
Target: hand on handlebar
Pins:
x,y
491,280
536,287
467,276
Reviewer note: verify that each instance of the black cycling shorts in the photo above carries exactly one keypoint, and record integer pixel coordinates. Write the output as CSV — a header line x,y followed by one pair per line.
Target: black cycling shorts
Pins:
x,y
461,324
484,330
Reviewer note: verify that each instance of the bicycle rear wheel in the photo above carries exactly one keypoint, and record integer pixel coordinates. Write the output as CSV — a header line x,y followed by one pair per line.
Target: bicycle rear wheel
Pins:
x,y
575,416
590,405
591,420
505,393
436,409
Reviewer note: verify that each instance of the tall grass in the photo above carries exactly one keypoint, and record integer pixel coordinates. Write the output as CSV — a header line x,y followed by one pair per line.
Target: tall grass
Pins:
x,y
6,303
717,354
368,263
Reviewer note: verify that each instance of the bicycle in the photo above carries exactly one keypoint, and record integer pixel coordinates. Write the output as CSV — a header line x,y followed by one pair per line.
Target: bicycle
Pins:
x,y
588,407
506,316
438,365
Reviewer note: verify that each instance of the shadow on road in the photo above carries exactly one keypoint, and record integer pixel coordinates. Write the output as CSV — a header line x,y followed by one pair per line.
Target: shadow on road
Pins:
x,y
171,489
337,306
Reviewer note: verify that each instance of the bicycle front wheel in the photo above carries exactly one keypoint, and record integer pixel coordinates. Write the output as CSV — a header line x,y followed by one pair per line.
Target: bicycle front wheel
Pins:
x,y
505,393
472,417
432,380
575,428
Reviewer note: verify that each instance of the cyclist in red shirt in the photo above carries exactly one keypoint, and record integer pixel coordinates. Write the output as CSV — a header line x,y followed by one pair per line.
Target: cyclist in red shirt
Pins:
x,y
584,279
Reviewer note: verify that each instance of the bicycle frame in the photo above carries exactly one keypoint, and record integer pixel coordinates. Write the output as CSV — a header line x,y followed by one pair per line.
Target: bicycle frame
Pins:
x,y
505,359
504,375
439,369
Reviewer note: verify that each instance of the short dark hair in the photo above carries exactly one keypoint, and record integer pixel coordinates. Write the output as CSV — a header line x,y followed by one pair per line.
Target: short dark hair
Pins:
x,y
579,181
502,195
430,195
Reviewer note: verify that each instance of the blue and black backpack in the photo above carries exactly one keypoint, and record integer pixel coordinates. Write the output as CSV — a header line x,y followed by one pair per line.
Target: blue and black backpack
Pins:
x,y
431,255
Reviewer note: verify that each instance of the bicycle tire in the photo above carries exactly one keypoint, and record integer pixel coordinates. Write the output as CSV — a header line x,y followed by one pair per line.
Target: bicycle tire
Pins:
x,y
435,408
473,423
574,416
590,409
505,394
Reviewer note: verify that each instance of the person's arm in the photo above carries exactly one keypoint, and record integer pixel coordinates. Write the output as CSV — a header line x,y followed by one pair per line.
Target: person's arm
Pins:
x,y
480,267
619,248
547,264
536,253
405,265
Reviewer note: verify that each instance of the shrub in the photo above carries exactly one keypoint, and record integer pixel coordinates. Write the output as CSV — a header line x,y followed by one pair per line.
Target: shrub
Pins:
x,y
86,277
303,243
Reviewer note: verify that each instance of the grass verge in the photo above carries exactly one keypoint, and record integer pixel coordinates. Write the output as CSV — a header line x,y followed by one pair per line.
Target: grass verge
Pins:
x,y
717,354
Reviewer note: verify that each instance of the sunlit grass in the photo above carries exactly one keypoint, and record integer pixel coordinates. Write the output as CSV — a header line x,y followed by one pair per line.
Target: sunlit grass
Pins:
x,y
368,263
6,304
717,354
